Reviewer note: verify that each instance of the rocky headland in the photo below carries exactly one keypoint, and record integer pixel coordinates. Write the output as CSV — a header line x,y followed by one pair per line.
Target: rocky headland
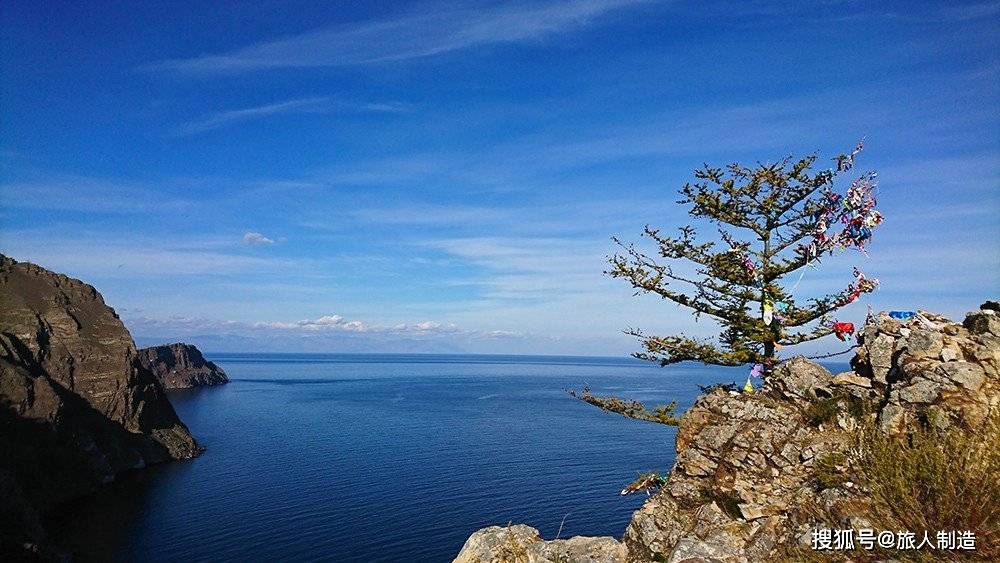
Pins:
x,y
756,472
77,407
181,366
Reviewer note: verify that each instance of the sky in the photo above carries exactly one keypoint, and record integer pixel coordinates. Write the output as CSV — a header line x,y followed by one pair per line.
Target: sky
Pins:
x,y
445,177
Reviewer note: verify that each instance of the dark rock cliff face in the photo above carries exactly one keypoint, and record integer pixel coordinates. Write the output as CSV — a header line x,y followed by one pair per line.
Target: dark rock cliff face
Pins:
x,y
747,463
76,405
181,366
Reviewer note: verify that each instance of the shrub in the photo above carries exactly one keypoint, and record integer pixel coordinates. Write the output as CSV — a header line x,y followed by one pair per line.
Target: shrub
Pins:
x,y
821,411
830,471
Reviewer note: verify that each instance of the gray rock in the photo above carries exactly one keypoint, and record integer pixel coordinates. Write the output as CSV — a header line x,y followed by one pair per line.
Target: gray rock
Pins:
x,y
522,544
966,374
950,354
800,378
496,543
694,550
851,378
752,511
924,343
877,354
892,418
922,391
656,528
984,321
578,550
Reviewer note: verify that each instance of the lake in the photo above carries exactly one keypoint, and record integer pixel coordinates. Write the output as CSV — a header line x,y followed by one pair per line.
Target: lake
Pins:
x,y
387,458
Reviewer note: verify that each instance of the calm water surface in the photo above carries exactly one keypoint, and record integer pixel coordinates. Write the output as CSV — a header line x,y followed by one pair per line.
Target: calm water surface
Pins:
x,y
386,458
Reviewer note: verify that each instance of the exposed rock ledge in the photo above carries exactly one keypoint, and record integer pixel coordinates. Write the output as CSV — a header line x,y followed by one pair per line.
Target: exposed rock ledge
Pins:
x,y
76,405
522,543
747,463
181,366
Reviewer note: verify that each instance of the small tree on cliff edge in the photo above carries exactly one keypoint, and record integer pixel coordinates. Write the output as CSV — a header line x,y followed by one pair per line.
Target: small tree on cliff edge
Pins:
x,y
790,217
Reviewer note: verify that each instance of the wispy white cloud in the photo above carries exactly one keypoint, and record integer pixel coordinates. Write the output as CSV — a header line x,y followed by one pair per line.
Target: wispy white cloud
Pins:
x,y
224,118
427,327
330,333
62,192
316,104
94,256
252,238
848,10
517,268
326,322
969,11
408,37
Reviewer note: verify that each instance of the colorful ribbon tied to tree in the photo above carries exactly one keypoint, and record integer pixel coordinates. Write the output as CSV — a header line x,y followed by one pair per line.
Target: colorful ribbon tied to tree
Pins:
x,y
861,285
843,330
774,219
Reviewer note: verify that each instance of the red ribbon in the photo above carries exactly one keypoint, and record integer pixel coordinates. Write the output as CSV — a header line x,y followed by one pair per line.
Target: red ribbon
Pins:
x,y
842,330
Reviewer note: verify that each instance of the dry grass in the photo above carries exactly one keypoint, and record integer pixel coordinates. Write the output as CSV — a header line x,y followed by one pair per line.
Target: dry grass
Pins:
x,y
935,480
512,551
829,470
928,480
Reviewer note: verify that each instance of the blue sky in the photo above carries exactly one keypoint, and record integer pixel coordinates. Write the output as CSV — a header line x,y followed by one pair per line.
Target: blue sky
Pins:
x,y
445,177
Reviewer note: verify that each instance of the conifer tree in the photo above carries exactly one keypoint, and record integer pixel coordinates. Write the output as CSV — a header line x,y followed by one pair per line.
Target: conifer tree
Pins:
x,y
772,220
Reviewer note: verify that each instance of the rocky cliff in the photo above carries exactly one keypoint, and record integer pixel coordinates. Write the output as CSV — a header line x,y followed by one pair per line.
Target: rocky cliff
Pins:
x,y
755,471
181,366
76,405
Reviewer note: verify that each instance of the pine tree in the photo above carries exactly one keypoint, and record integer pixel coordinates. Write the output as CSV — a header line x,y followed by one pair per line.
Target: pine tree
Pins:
x,y
790,217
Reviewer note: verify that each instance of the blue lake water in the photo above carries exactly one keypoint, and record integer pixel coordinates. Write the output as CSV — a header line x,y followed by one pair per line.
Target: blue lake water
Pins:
x,y
386,458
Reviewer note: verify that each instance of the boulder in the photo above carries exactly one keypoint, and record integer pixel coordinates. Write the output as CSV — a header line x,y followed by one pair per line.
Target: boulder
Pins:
x,y
943,369
850,378
693,550
522,544
799,378
985,321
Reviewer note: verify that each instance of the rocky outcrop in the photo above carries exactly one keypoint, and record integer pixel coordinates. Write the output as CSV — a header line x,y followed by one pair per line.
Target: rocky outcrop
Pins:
x,y
522,544
933,369
181,366
750,467
76,405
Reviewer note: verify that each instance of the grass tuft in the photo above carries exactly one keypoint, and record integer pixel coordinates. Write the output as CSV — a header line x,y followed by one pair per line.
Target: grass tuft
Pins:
x,y
821,411
829,470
